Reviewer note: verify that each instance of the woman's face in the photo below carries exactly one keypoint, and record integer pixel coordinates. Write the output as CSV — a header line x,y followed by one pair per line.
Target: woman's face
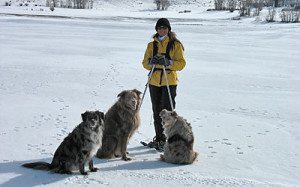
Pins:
x,y
162,30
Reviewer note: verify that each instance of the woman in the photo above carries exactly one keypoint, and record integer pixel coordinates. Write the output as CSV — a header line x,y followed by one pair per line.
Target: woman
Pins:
x,y
165,45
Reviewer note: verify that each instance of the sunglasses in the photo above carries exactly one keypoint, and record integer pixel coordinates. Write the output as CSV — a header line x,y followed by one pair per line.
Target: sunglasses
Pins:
x,y
162,27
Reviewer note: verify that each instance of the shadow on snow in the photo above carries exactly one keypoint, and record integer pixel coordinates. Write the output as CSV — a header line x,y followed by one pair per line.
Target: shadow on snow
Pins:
x,y
27,177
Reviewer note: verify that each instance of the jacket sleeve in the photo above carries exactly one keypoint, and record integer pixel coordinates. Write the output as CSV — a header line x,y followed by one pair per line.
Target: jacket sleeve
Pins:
x,y
178,58
148,54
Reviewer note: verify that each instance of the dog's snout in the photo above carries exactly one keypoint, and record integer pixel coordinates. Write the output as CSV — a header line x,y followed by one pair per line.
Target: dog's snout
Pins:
x,y
134,101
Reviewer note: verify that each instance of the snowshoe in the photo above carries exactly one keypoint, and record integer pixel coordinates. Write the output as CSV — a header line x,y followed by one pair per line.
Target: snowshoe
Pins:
x,y
159,146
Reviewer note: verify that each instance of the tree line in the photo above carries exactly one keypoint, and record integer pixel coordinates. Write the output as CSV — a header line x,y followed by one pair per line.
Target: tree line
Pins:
x,y
88,4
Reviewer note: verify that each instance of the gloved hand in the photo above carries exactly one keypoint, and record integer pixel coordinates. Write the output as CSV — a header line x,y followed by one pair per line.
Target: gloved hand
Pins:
x,y
165,62
153,60
161,60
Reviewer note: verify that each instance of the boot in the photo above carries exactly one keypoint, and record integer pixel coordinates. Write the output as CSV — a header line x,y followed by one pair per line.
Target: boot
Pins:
x,y
153,143
160,146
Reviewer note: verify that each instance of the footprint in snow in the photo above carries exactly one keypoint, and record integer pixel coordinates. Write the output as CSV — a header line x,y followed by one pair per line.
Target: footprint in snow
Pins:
x,y
17,129
226,143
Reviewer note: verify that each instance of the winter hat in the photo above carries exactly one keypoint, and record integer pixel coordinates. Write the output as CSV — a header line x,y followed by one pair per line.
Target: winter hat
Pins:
x,y
163,22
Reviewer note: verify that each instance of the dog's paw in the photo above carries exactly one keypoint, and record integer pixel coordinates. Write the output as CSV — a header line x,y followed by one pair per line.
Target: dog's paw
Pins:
x,y
118,155
94,169
126,158
84,173
162,157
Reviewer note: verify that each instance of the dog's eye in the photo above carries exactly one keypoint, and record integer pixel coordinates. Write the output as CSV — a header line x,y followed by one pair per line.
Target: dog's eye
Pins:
x,y
91,116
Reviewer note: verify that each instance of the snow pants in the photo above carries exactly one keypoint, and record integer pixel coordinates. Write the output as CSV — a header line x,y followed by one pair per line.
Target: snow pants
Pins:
x,y
160,100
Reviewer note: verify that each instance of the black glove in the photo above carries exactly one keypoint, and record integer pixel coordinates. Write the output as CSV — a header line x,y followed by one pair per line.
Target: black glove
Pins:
x,y
153,60
161,60
164,62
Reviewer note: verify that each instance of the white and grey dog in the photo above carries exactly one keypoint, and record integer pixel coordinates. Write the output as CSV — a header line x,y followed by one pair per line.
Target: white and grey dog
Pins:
x,y
78,148
180,139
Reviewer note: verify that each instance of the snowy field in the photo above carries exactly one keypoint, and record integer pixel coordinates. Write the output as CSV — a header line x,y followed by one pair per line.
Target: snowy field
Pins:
x,y
239,90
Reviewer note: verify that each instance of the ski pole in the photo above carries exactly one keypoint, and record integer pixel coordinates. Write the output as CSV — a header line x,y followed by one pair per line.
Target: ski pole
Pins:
x,y
172,107
149,77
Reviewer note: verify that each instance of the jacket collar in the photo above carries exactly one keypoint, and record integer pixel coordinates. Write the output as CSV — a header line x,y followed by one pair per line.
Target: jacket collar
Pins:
x,y
165,39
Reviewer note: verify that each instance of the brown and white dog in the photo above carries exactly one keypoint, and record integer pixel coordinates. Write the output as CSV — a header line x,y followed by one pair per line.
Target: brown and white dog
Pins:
x,y
121,121
180,139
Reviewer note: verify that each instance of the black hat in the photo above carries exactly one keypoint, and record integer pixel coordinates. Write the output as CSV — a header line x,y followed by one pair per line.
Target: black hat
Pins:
x,y
163,22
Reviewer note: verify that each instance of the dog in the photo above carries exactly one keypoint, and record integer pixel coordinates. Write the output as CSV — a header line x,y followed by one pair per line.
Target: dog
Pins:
x,y
180,139
120,123
78,148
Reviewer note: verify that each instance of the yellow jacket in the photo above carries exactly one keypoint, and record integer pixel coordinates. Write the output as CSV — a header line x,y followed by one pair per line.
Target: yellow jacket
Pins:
x,y
178,62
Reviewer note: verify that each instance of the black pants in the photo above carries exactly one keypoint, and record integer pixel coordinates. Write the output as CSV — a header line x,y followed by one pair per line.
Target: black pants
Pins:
x,y
160,100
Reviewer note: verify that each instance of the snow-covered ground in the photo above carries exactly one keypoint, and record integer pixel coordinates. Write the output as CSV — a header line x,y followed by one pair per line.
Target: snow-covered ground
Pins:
x,y
239,90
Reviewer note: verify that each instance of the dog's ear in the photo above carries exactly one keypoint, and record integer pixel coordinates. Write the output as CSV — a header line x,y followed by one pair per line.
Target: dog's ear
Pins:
x,y
162,112
137,92
174,114
84,116
123,93
100,114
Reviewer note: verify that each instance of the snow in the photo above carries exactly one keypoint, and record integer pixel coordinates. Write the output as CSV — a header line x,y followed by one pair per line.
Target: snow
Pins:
x,y
239,90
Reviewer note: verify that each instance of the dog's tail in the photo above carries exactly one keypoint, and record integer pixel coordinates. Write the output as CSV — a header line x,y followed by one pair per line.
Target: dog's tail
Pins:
x,y
38,165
